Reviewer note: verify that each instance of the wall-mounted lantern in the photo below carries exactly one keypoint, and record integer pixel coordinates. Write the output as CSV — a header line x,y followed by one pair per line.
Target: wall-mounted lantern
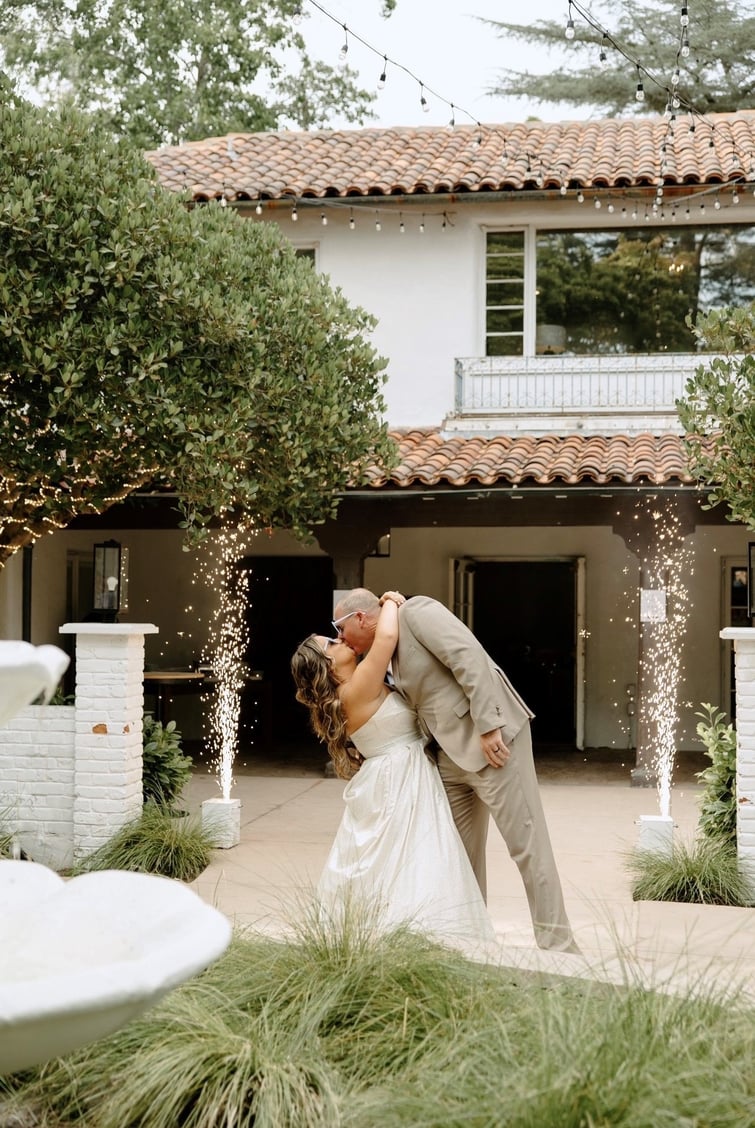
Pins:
x,y
110,581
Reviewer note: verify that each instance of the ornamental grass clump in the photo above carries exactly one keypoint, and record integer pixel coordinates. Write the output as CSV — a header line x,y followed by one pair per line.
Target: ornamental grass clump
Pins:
x,y
707,872
355,1028
156,842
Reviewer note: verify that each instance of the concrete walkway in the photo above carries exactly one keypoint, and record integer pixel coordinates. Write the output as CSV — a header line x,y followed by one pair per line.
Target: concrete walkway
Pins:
x,y
288,823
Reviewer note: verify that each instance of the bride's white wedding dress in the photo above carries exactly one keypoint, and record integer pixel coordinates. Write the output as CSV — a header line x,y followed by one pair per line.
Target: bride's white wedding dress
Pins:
x,y
397,851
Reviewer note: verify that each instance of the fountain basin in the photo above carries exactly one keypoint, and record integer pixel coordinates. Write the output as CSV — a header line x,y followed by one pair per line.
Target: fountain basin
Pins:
x,y
83,957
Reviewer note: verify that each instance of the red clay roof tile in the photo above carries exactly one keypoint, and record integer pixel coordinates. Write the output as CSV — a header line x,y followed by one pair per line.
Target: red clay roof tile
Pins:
x,y
610,153
426,458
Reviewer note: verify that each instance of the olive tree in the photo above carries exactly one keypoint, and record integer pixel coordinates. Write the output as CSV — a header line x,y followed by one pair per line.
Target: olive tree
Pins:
x,y
718,412
145,341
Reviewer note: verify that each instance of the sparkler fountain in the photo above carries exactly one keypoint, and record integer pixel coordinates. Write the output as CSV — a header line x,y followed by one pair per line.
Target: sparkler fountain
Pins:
x,y
664,609
227,644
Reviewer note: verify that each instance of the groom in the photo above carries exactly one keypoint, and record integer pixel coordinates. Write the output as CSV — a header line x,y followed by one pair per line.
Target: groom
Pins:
x,y
482,727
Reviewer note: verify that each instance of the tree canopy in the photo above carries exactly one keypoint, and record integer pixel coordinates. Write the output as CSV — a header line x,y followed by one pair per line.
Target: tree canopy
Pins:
x,y
175,72
718,75
718,412
143,341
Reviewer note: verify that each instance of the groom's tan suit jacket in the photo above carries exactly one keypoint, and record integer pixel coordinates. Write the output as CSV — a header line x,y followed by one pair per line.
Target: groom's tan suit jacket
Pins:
x,y
456,688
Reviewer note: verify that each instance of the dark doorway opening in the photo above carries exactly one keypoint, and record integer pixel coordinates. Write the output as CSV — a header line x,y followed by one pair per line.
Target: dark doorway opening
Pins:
x,y
525,617
289,598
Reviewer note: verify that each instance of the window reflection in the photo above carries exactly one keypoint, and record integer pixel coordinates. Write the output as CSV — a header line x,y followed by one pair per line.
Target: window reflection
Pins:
x,y
628,291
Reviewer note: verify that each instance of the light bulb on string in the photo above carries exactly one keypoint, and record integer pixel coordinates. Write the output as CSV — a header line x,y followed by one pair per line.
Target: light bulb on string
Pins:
x,y
423,100
684,49
378,224
297,15
294,214
563,190
675,77
452,120
324,219
569,29
717,204
258,209
343,53
684,17
422,225
580,197
603,56
381,80
639,94
401,227
597,204
352,224
735,197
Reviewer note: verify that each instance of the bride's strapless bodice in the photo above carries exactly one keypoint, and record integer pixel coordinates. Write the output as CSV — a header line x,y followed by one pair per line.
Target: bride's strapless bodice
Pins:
x,y
394,724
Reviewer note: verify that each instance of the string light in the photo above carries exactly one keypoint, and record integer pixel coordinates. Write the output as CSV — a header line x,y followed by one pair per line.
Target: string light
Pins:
x,y
258,208
352,224
294,214
422,225
378,224
569,30
401,224
684,18
423,99
324,219
580,197
603,56
343,53
639,93
452,122
297,15
381,80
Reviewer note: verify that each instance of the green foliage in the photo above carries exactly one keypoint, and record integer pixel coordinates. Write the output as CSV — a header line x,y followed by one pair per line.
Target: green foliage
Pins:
x,y
161,74
718,412
359,1029
165,768
705,873
156,842
717,76
143,342
718,803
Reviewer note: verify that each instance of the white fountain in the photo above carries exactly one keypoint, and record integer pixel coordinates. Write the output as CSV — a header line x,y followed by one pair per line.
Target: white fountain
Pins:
x,y
83,957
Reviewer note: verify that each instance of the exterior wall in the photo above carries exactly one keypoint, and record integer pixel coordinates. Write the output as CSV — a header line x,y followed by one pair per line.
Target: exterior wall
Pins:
x,y
72,775
744,644
426,290
37,797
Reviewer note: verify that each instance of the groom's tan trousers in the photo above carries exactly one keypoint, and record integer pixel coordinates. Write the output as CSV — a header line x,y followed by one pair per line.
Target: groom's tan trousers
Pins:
x,y
511,795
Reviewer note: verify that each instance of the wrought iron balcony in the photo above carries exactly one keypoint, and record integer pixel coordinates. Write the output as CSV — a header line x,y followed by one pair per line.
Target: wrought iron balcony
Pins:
x,y
591,394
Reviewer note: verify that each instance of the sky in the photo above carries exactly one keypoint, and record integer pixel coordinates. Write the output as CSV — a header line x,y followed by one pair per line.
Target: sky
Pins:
x,y
445,46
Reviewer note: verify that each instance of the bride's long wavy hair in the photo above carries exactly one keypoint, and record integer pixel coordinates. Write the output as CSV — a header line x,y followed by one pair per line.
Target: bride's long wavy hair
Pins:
x,y
317,688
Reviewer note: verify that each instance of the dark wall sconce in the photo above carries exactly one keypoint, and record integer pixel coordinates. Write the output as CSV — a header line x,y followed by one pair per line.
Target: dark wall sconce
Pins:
x,y
110,581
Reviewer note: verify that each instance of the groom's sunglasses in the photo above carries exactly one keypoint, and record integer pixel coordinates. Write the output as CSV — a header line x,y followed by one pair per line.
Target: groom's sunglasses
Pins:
x,y
336,623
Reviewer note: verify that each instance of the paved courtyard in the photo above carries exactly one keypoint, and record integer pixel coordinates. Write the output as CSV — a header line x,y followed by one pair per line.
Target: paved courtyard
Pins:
x,y
288,822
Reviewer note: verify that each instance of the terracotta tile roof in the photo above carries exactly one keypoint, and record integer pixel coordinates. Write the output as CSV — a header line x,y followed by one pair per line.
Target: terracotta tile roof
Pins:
x,y
429,459
609,153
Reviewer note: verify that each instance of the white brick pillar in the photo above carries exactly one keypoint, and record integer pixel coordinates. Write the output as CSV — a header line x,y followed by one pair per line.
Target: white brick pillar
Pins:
x,y
744,659
108,729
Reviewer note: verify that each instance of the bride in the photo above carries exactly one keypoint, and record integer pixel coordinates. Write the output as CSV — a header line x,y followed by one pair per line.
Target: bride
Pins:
x,y
396,851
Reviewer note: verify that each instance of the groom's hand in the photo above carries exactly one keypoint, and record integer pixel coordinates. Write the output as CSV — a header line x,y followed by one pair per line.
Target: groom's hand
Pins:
x,y
494,749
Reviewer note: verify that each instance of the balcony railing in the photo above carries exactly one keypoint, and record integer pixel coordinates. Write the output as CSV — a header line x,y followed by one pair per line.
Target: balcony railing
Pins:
x,y
585,393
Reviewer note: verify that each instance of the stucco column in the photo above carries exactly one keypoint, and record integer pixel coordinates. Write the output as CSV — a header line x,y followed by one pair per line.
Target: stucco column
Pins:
x,y
744,661
108,729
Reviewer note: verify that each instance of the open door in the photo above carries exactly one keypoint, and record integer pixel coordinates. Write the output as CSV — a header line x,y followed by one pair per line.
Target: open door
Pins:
x,y
525,613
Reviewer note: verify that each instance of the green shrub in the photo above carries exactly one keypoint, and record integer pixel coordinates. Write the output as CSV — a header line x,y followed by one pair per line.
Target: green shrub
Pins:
x,y
718,803
392,1030
165,768
706,873
156,842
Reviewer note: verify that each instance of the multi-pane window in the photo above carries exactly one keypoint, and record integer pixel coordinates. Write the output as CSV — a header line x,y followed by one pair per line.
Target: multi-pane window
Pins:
x,y
633,291
504,293
628,290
